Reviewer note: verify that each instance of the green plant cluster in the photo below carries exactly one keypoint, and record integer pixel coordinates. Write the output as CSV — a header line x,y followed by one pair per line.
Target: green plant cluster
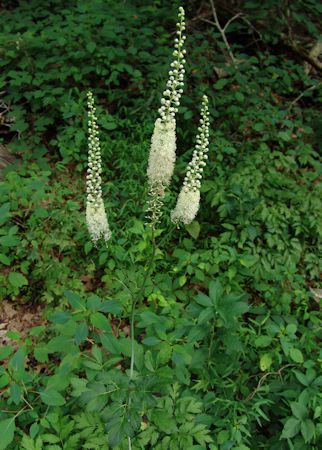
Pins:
x,y
227,329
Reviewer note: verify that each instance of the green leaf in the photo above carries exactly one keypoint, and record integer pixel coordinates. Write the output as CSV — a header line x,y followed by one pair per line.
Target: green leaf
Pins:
x,y
8,241
111,306
91,46
221,83
265,362
5,351
109,342
193,229
291,428
307,430
81,333
17,361
301,378
60,317
101,322
296,355
7,428
97,353
206,315
151,341
93,303
216,291
52,397
15,393
4,213
4,259
115,435
263,341
203,299
41,354
75,300
17,280
298,410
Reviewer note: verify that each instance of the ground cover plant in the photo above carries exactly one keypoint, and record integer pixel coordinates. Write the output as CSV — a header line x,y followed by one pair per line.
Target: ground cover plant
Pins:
x,y
214,343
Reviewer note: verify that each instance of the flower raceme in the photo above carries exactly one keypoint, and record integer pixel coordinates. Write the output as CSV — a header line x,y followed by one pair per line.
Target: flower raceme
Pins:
x,y
96,219
189,198
163,143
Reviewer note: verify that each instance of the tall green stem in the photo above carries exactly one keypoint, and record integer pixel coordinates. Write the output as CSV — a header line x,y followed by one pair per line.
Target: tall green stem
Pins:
x,y
135,299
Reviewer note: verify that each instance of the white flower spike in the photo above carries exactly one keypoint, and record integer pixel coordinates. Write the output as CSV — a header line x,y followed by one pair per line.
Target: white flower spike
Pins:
x,y
95,212
163,144
189,198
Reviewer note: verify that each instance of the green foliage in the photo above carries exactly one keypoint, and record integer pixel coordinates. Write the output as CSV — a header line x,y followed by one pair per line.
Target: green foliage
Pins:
x,y
227,327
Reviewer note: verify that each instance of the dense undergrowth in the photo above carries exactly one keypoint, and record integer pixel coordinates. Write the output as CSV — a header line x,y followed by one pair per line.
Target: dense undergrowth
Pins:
x,y
227,332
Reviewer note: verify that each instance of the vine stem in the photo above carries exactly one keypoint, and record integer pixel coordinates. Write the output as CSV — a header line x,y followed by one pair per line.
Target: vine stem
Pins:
x,y
134,303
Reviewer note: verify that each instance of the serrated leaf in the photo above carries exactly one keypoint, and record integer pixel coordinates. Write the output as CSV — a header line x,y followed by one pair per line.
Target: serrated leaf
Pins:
x,y
5,351
263,341
81,333
206,315
111,306
15,393
101,322
193,229
17,280
298,410
7,428
307,430
296,355
151,341
109,342
60,317
75,300
203,299
291,428
4,259
52,397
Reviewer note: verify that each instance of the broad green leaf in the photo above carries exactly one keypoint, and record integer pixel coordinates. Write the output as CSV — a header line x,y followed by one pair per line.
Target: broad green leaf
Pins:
x,y
263,341
109,342
307,430
17,361
4,259
17,280
298,410
291,428
81,333
206,315
193,229
75,300
101,322
203,299
265,362
60,317
5,351
151,341
296,355
215,291
93,303
15,393
8,241
7,428
52,397
111,306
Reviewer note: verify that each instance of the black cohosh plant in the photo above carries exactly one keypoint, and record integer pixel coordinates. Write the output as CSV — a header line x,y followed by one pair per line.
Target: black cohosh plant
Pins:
x,y
159,172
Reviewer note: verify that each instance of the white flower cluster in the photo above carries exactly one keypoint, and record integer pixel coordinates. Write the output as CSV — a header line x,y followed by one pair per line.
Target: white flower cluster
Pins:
x,y
162,154
95,212
171,96
188,200
163,143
